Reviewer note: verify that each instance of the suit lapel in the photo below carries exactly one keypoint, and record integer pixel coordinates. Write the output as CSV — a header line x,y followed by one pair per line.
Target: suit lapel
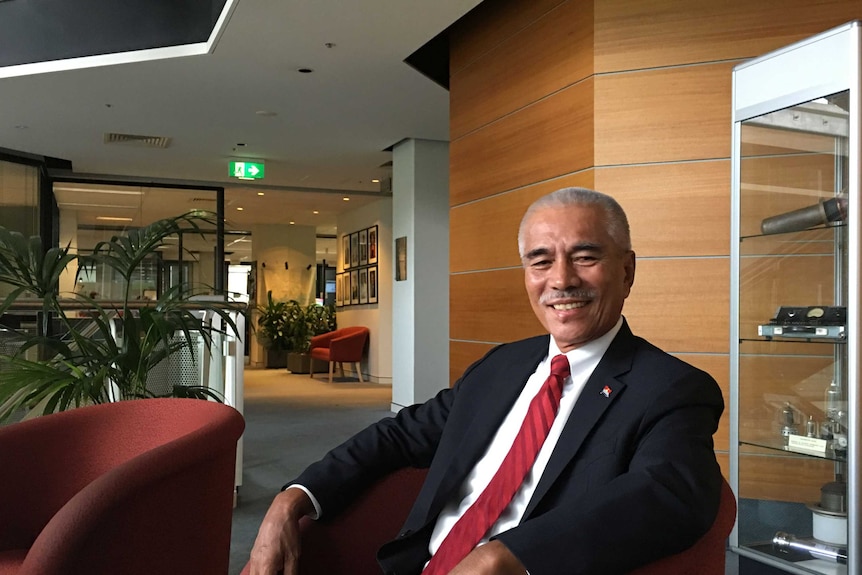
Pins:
x,y
600,391
504,384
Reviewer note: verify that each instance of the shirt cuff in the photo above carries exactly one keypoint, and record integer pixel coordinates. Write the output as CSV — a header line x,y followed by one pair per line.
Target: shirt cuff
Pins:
x,y
311,496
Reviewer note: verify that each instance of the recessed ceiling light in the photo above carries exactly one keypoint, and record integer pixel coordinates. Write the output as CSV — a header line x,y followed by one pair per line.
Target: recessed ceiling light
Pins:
x,y
113,219
240,144
305,70
260,193
315,212
239,209
346,199
291,223
375,181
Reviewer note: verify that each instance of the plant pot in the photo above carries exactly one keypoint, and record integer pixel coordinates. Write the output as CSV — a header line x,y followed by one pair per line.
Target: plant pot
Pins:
x,y
275,358
301,363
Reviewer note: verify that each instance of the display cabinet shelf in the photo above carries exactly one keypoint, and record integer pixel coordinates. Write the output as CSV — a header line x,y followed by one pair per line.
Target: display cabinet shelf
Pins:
x,y
795,306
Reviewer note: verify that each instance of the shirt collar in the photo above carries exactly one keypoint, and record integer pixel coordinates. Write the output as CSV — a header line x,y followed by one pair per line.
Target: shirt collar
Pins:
x,y
594,348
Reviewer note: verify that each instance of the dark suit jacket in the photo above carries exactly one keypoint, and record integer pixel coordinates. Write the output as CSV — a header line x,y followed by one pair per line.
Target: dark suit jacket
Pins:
x,y
632,478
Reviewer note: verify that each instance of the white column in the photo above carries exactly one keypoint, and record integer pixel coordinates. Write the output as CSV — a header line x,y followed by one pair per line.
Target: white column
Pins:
x,y
420,310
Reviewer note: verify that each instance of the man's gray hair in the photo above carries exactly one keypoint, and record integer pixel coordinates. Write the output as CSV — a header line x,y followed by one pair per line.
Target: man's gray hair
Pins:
x,y
615,217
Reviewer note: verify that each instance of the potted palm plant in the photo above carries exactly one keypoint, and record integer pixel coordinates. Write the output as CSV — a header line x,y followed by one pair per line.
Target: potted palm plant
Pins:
x,y
109,355
305,323
272,330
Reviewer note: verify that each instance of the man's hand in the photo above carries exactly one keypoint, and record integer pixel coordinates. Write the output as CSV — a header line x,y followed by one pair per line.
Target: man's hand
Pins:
x,y
277,545
493,558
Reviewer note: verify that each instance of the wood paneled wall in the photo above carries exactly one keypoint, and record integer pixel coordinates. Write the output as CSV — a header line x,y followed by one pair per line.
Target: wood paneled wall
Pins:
x,y
628,97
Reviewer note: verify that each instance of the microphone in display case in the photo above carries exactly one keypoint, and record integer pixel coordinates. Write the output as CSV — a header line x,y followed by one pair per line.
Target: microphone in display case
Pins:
x,y
823,212
817,549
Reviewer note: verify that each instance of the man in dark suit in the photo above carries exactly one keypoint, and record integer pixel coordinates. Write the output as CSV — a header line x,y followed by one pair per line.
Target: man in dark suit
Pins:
x,y
627,473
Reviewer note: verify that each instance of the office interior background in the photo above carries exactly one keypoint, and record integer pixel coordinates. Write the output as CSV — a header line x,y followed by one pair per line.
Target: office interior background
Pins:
x,y
441,122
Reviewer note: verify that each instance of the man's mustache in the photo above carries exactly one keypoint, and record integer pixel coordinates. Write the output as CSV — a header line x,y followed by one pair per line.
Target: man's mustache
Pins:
x,y
549,298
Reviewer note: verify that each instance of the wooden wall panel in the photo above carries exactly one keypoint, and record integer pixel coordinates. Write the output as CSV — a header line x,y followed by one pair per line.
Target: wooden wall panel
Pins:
x,y
491,23
462,354
547,139
767,475
550,54
490,226
491,307
663,115
681,305
678,209
632,34
718,366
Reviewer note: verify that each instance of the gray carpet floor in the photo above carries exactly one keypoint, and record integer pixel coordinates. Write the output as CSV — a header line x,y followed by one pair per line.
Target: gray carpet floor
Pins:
x,y
291,421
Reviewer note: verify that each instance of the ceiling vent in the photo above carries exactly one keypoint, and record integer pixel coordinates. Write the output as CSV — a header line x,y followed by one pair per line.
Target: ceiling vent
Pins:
x,y
140,141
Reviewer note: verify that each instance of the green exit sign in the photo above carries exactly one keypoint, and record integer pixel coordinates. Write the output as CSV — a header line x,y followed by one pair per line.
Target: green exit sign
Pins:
x,y
246,170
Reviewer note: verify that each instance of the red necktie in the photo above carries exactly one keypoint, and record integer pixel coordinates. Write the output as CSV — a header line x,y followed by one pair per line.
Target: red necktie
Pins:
x,y
485,511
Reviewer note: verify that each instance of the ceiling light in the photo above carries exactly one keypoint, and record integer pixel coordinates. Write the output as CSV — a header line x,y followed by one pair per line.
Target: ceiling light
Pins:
x,y
375,181
346,199
239,209
291,223
315,212
109,206
113,219
305,70
92,191
260,193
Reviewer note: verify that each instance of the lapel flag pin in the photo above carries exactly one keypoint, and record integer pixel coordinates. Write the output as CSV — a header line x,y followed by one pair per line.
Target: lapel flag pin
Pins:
x,y
606,391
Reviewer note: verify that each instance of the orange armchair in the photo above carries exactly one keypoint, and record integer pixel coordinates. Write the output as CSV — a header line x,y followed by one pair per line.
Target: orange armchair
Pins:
x,y
135,487
348,544
345,344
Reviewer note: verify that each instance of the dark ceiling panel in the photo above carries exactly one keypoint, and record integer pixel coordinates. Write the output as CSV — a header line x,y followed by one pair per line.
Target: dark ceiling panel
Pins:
x,y
44,30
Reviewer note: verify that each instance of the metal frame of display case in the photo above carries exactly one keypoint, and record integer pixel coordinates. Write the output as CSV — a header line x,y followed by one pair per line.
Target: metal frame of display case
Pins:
x,y
821,66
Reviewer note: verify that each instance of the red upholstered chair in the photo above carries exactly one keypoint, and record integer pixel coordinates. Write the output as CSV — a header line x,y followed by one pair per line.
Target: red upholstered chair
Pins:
x,y
135,487
348,545
345,344
707,555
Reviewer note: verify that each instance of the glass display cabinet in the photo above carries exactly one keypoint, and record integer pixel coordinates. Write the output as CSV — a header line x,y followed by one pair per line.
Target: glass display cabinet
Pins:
x,y
795,285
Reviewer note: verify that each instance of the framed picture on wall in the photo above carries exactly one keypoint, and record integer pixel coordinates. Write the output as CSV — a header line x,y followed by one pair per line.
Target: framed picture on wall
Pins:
x,y
354,287
372,284
354,249
363,285
400,259
345,251
345,289
339,290
363,247
372,245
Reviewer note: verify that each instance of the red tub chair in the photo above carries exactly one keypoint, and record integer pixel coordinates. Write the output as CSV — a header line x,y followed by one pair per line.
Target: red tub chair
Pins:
x,y
138,487
345,344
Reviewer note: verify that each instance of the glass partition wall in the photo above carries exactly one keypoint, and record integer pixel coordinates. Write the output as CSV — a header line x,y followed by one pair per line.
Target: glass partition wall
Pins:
x,y
91,213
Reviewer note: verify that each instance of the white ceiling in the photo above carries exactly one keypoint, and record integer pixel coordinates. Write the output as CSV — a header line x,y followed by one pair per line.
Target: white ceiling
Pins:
x,y
323,132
